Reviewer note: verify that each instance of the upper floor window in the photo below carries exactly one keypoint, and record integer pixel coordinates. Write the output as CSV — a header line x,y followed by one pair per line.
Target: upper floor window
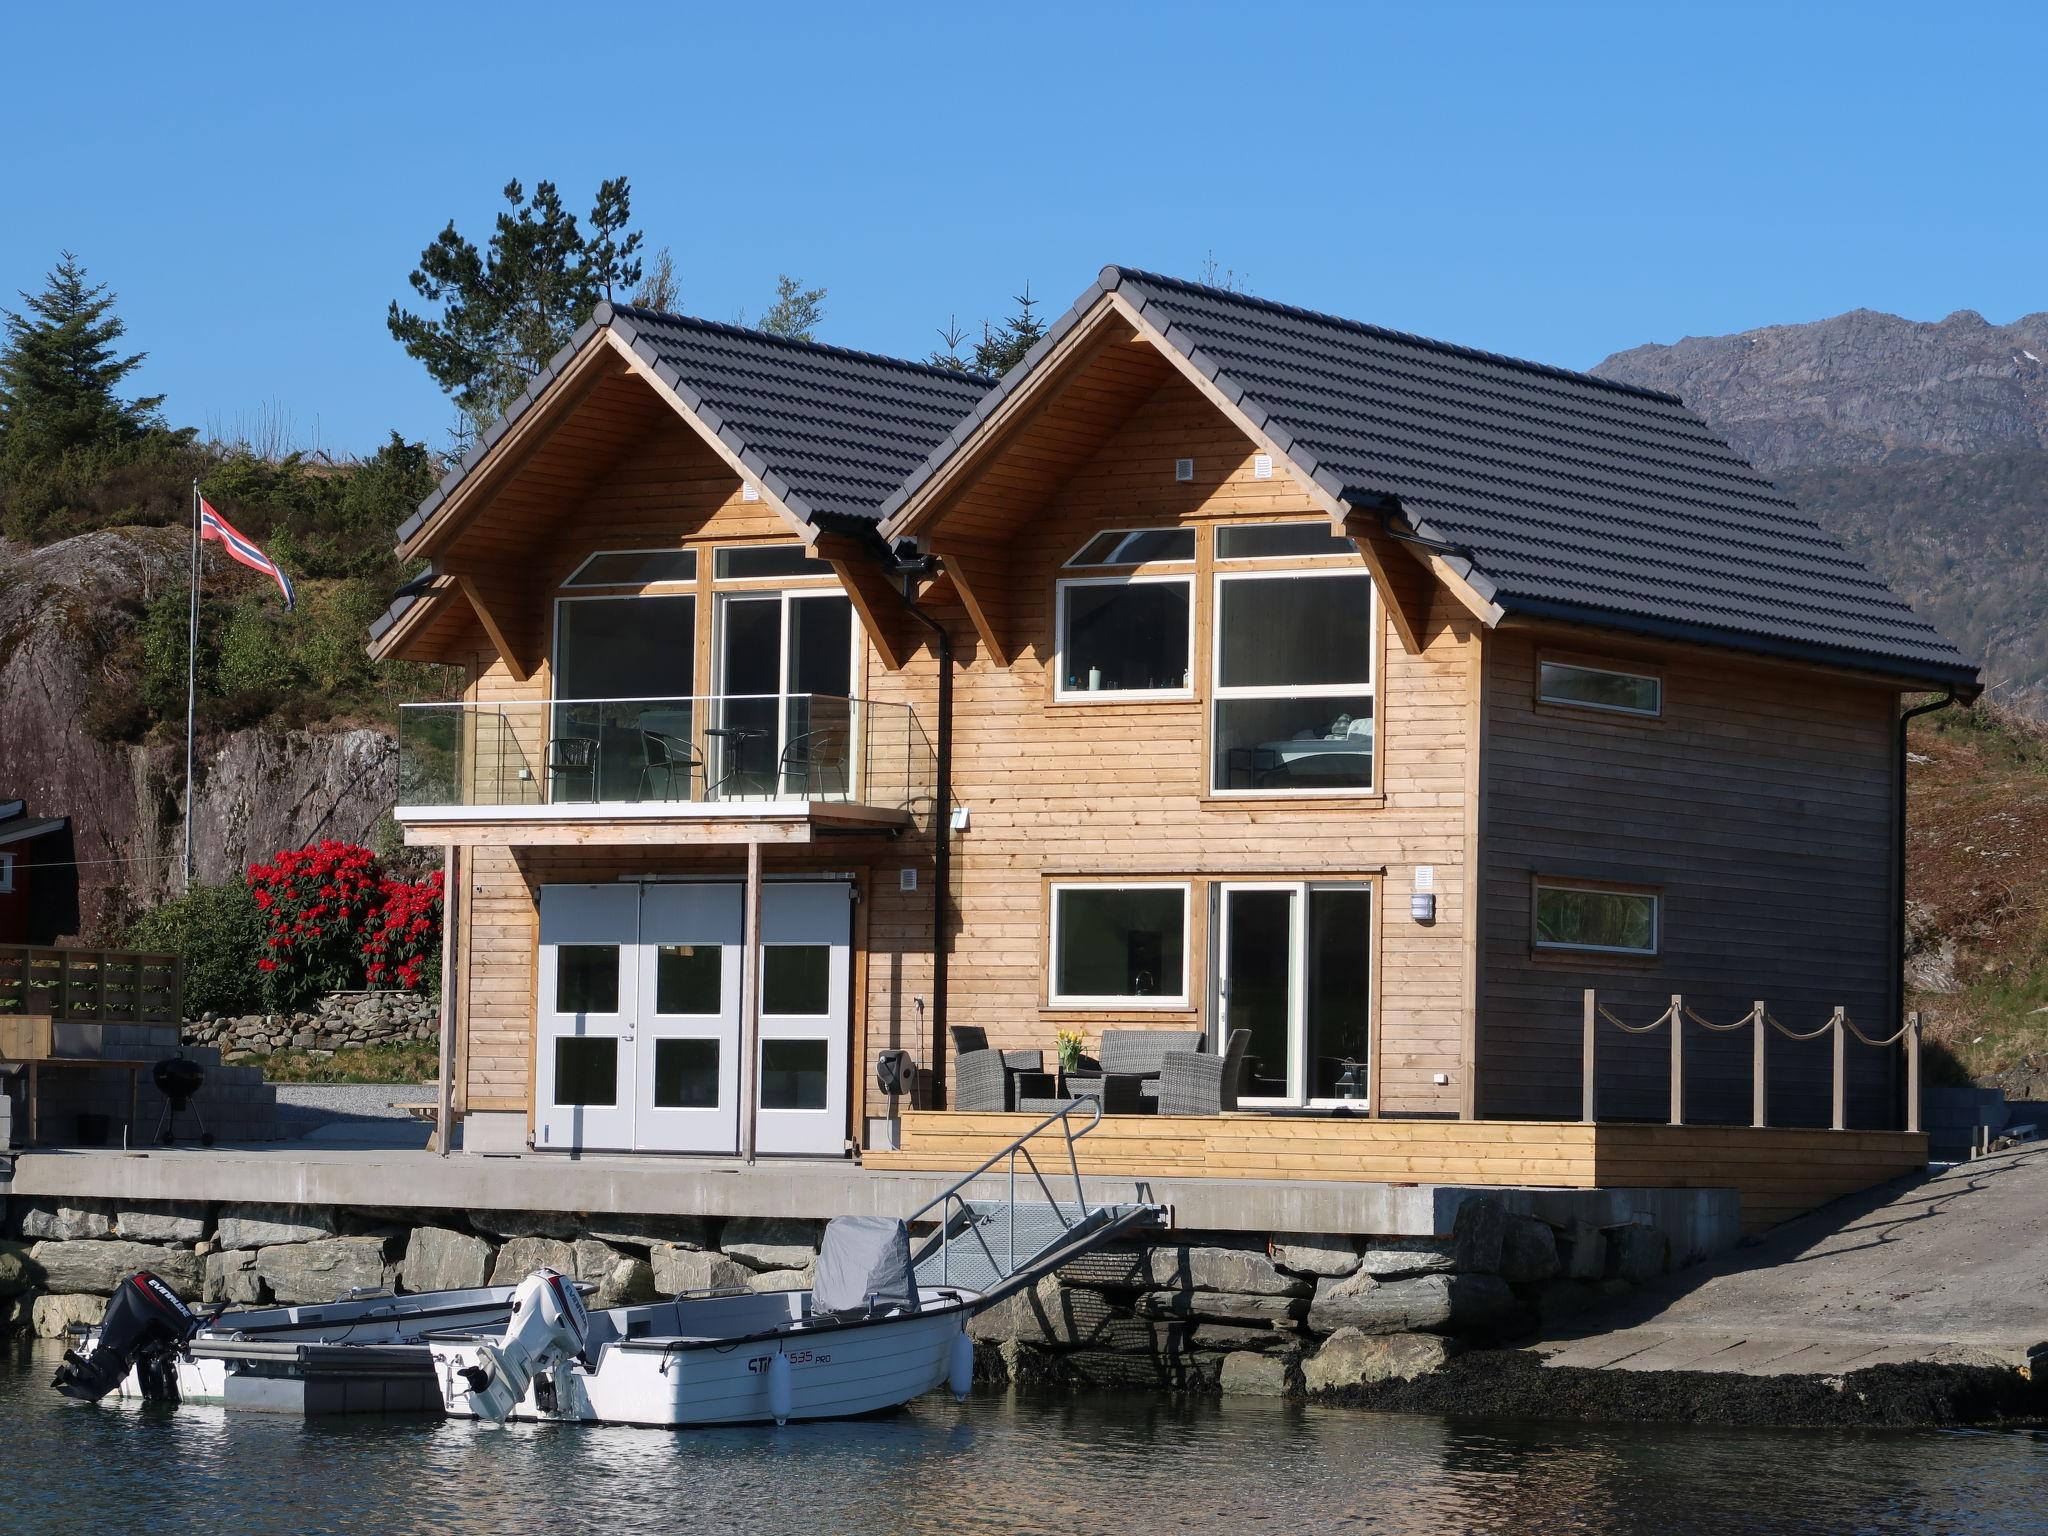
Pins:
x,y
1587,917
1137,546
1279,541
1583,687
757,562
634,568
1293,688
1128,635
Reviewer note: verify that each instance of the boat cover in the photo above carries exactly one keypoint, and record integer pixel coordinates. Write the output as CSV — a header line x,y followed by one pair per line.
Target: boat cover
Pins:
x,y
863,1259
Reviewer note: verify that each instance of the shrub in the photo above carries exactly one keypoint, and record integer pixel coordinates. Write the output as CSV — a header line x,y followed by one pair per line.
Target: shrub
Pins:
x,y
403,943
218,933
335,921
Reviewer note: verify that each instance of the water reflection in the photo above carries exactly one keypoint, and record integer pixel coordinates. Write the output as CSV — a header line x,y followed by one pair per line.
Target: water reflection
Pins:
x,y
1127,1466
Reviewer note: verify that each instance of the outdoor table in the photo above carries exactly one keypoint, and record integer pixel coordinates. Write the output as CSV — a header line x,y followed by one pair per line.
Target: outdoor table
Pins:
x,y
34,1064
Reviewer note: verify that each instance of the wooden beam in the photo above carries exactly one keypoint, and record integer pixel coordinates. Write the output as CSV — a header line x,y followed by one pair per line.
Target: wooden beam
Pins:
x,y
492,598
1399,580
977,573
874,597
657,832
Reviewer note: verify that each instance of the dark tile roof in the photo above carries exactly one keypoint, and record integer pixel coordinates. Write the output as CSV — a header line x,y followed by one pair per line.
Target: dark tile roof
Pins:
x,y
1574,497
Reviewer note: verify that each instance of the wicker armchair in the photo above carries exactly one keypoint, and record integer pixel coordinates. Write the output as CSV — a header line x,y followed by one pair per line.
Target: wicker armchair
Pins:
x,y
1195,1083
985,1078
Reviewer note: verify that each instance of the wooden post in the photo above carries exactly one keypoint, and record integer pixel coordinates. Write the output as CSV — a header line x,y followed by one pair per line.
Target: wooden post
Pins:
x,y
178,994
750,1001
1677,1059
1913,1071
1759,1095
452,877
1586,1058
1841,1077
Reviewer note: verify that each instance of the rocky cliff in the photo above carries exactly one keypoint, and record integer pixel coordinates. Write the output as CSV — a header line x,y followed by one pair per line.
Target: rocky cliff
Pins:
x,y
64,610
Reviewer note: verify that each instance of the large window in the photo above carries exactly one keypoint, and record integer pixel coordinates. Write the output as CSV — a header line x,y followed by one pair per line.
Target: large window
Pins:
x,y
1583,687
1587,917
625,668
1293,691
1119,945
634,568
1126,635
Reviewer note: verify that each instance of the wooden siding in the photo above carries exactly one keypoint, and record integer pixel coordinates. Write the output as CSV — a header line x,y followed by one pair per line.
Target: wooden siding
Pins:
x,y
1779,1173
1759,806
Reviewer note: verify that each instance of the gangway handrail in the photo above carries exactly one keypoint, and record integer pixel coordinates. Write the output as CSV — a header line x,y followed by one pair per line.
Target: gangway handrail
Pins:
x,y
950,1197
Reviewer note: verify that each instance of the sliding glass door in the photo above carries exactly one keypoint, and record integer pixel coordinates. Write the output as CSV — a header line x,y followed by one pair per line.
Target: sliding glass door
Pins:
x,y
785,670
1293,967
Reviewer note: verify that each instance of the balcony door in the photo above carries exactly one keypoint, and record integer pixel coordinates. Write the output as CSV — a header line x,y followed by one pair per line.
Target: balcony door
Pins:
x,y
624,670
785,674
1293,966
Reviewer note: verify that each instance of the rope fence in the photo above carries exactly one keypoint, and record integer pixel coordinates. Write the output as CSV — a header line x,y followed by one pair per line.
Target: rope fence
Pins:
x,y
1760,1022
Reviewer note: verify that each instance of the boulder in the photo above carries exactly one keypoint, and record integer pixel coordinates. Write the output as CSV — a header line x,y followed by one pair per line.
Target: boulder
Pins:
x,y
68,1223
560,1225
1398,1258
521,1256
677,1269
97,1266
1046,1313
18,1272
1477,1233
762,1242
1316,1254
1220,1306
781,1279
1582,1250
321,1270
1250,1374
52,1315
1637,1253
439,1259
179,1223
1560,1299
265,1226
1231,1338
231,1277
1350,1358
628,1283
1425,1304
646,1231
594,1259
1528,1252
1241,1271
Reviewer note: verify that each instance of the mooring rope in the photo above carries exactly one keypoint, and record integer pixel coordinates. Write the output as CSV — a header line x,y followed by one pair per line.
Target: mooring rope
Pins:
x,y
1790,1034
1879,1044
1745,1022
1635,1029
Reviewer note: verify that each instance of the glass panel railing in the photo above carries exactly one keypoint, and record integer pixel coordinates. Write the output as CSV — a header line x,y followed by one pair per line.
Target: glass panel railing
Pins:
x,y
756,747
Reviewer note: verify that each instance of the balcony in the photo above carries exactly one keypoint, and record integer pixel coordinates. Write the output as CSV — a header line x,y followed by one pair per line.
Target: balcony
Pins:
x,y
735,767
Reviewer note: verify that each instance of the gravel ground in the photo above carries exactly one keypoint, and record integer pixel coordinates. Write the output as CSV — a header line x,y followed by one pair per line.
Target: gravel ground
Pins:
x,y
352,1099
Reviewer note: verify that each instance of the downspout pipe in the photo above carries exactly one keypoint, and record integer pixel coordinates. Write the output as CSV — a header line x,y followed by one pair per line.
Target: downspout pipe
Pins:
x,y
907,563
1906,719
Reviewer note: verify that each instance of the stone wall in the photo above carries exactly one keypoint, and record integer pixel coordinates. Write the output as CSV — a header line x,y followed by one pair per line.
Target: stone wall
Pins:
x,y
1282,1316
339,1021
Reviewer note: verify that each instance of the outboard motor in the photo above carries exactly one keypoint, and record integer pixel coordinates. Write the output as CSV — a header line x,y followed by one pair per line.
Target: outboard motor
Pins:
x,y
548,1327
145,1329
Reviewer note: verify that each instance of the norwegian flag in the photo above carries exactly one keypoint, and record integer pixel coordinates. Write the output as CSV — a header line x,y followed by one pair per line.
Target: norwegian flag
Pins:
x,y
239,547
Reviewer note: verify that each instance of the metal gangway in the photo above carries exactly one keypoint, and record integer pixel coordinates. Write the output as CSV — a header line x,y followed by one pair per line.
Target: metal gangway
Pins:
x,y
999,1240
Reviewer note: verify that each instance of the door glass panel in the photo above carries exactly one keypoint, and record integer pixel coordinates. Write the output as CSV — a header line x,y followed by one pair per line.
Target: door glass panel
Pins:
x,y
587,979
796,979
622,651
686,1074
751,648
1338,993
793,1074
586,1070
821,645
1258,962
817,757
689,978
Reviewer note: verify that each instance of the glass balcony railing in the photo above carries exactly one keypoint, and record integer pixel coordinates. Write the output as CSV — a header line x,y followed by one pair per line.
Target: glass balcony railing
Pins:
x,y
704,750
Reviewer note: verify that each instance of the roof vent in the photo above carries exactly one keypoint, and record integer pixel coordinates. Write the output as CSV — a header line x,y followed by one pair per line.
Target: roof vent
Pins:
x,y
1262,466
1183,469
749,491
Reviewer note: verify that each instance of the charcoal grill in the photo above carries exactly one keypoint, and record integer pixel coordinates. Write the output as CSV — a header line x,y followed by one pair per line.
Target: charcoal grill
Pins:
x,y
179,1079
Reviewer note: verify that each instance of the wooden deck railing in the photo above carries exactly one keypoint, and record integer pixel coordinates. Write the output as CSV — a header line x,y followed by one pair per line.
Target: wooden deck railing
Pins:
x,y
91,986
1838,1026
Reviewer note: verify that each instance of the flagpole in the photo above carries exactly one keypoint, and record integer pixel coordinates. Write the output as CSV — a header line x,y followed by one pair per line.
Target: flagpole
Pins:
x,y
191,680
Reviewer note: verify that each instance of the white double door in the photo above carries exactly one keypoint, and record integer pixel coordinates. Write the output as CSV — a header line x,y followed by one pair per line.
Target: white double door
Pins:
x,y
639,1018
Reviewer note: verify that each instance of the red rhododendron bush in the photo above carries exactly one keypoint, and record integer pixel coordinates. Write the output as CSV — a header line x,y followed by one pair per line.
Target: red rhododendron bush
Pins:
x,y
334,921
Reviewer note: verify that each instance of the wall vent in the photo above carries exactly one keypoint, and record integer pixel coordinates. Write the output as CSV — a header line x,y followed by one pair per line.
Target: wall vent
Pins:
x,y
1183,469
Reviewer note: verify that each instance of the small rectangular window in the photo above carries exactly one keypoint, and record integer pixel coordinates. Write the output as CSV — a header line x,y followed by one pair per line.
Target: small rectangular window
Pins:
x,y
689,979
1119,944
1279,541
686,1074
1627,693
634,567
586,1070
762,561
1137,546
1129,636
796,979
1585,917
794,1073
586,978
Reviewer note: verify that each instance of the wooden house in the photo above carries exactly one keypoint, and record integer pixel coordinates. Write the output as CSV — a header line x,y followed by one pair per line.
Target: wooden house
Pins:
x,y
1225,665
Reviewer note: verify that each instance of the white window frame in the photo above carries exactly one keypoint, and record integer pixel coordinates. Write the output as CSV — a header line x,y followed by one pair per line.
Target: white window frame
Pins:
x,y
1064,694
1264,560
6,871
1074,561
787,598
1218,694
570,580
1300,892
1115,1003
1558,946
823,573
1605,709
673,589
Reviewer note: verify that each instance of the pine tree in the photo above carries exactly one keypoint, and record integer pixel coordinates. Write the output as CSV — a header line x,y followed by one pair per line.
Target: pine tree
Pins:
x,y
59,370
797,311
1003,346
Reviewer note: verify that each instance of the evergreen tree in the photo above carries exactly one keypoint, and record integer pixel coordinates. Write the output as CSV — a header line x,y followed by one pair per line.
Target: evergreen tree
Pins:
x,y
59,370
1003,346
661,290
509,308
797,311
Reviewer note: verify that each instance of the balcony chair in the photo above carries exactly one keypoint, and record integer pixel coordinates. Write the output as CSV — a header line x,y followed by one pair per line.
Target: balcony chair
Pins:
x,y
1196,1083
666,757
1126,1077
573,757
814,764
985,1078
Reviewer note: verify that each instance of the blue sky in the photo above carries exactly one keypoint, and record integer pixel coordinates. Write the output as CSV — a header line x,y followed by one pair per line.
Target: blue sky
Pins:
x,y
1553,181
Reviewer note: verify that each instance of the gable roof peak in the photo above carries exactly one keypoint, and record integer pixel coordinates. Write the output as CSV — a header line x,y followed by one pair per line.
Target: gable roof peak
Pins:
x,y
607,312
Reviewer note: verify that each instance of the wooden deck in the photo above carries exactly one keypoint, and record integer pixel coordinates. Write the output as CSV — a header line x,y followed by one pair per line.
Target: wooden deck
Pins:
x,y
1781,1173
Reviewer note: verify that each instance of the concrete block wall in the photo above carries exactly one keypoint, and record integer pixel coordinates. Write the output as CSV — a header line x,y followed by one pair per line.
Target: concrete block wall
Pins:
x,y
237,1104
